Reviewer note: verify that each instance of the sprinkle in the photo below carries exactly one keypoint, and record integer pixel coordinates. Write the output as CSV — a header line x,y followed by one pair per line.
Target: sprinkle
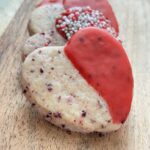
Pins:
x,y
46,44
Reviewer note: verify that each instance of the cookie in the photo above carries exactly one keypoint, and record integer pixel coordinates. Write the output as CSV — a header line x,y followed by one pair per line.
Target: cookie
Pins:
x,y
43,18
85,86
101,5
77,18
48,38
58,90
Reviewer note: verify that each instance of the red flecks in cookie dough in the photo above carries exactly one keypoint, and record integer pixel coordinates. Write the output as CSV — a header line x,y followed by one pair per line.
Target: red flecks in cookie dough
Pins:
x,y
59,98
102,61
33,59
83,114
101,5
70,99
32,71
33,104
101,134
49,87
49,115
63,126
59,52
40,52
68,132
25,91
77,18
57,115
52,68
41,70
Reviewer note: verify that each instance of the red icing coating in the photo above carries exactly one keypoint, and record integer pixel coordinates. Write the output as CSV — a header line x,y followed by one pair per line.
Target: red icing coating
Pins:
x,y
102,61
45,2
102,5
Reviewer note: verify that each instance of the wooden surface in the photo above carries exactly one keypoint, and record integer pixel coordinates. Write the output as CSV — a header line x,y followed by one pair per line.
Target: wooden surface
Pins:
x,y
21,128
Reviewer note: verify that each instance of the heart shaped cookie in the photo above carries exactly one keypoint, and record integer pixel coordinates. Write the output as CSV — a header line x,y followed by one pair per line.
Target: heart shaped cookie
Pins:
x,y
84,87
43,18
77,18
101,5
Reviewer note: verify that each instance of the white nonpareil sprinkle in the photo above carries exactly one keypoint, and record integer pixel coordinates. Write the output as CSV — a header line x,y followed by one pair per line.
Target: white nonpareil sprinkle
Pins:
x,y
77,18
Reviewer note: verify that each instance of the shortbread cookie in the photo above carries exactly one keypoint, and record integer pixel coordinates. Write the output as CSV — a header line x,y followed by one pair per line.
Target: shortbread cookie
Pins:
x,y
77,18
43,18
48,38
62,95
86,86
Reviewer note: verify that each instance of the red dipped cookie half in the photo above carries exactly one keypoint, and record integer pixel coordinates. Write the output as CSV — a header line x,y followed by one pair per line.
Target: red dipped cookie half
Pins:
x,y
85,86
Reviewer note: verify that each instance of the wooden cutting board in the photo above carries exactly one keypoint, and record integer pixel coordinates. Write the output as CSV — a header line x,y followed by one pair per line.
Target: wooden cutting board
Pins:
x,y
21,127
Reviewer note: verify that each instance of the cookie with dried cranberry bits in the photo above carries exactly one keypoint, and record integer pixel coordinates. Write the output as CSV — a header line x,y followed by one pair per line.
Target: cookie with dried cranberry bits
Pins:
x,y
44,39
43,18
77,18
62,95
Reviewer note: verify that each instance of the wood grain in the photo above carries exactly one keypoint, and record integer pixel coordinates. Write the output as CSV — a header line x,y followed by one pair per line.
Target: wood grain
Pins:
x,y
22,128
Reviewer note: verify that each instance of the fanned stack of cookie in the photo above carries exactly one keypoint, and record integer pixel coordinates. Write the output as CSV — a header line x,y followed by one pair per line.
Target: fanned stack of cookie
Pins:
x,y
75,70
